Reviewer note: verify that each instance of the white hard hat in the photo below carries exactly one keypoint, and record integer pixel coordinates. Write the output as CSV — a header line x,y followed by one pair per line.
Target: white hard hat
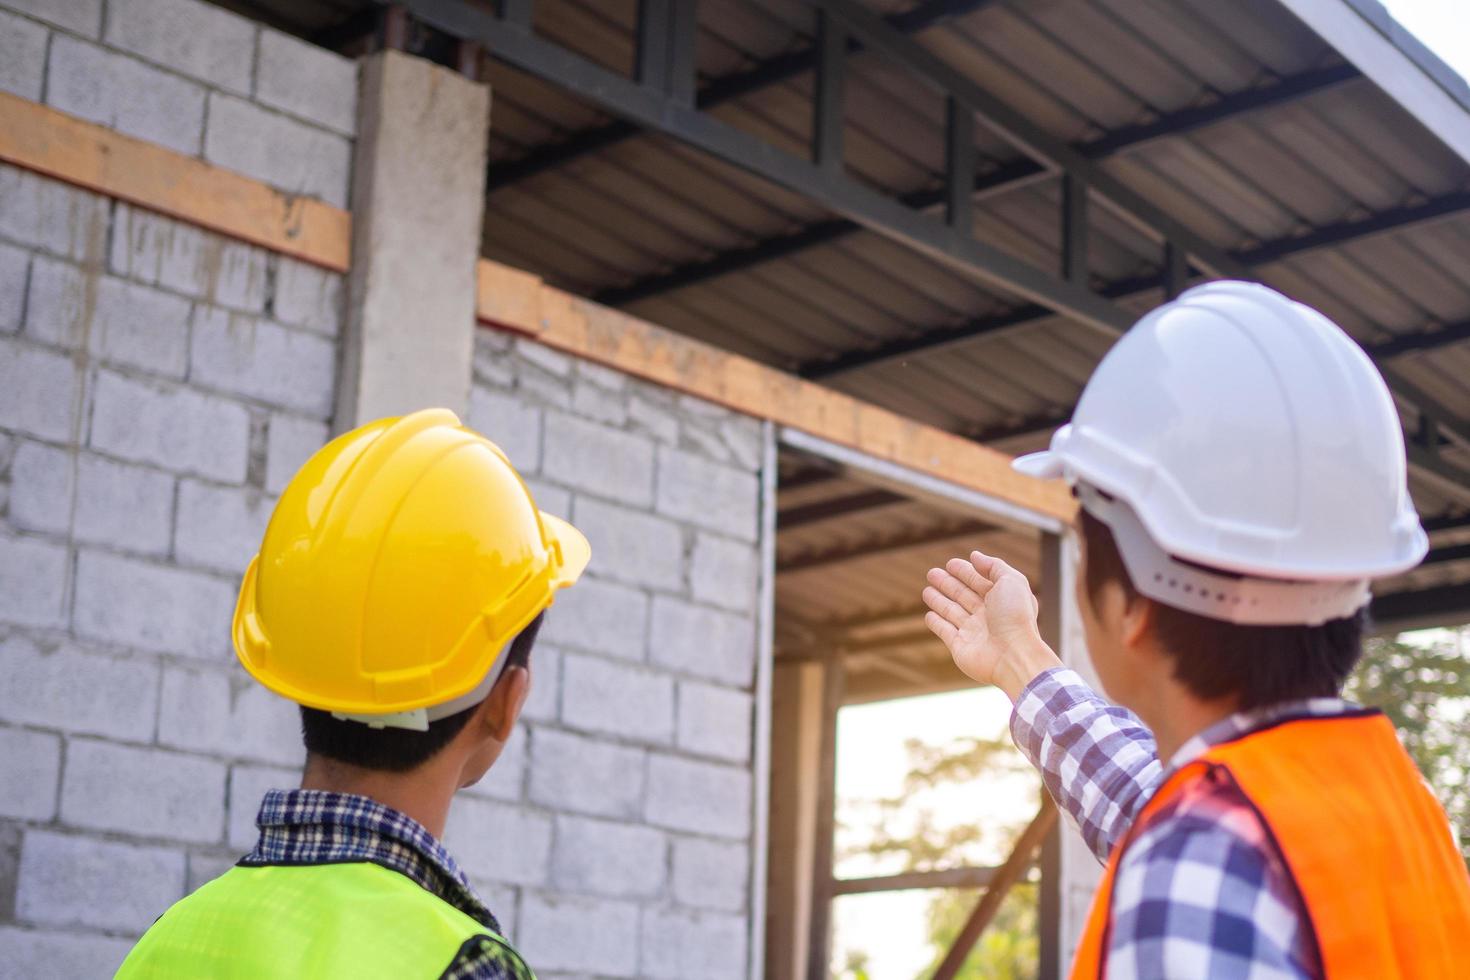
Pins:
x,y
1248,433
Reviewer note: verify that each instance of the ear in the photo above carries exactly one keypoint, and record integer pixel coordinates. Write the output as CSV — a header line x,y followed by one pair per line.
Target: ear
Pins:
x,y
1137,621
503,707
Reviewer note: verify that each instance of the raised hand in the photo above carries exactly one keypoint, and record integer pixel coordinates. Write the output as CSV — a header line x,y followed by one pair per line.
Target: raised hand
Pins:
x,y
985,613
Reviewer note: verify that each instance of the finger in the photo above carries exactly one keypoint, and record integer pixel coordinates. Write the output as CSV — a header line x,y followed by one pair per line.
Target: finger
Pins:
x,y
991,567
955,589
944,606
969,575
941,627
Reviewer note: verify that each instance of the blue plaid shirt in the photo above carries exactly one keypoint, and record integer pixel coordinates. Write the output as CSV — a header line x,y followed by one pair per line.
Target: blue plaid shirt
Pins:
x,y
314,827
1202,892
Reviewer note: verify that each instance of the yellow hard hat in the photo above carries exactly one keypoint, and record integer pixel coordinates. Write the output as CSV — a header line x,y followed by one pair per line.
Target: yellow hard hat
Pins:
x,y
399,561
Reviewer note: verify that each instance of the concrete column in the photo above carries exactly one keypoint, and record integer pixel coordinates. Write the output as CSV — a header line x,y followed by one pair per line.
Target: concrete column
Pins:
x,y
796,747
417,205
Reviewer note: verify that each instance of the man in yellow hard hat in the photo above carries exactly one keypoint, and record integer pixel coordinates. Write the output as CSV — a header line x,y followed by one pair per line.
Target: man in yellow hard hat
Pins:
x,y
396,597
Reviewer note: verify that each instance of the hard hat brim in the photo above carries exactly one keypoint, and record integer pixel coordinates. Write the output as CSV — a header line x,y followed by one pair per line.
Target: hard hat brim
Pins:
x,y
1045,465
575,550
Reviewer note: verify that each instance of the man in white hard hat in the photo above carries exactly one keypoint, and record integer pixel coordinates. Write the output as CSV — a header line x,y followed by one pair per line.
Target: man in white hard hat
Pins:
x,y
1241,475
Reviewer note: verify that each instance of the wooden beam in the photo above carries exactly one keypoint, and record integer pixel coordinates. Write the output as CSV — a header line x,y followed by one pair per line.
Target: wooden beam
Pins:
x,y
825,510
1010,872
514,300
883,546
834,676
69,149
948,878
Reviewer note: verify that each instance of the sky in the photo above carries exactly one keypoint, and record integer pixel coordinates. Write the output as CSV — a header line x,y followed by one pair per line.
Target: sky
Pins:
x,y
872,760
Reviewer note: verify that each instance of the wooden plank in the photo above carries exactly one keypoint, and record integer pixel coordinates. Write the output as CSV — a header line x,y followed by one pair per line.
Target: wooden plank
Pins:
x,y
58,145
1009,873
521,302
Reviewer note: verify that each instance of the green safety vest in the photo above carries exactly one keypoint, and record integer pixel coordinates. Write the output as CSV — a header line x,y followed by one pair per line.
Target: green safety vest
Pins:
x,y
355,920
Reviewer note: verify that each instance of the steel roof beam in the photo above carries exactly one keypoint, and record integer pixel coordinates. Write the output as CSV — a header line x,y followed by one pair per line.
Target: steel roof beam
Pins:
x,y
1425,340
718,91
950,335
1444,605
1009,176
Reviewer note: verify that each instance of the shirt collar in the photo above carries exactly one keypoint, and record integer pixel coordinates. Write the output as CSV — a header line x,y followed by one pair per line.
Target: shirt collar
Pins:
x,y
308,826
1231,728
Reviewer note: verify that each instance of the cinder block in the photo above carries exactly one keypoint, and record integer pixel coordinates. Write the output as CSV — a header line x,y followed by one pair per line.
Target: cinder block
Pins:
x,y
585,775
290,443
549,498
307,296
543,357
143,791
248,786
15,264
30,766
493,363
40,685
140,604
52,216
37,389
598,460
81,16
220,527
720,498
724,572
259,359
601,404
125,94
714,721
42,480
699,640
225,713
32,582
124,506
544,702
499,842
278,150
700,797
204,868
654,416
678,945
125,322
616,860
711,874
507,776
164,252
307,81
193,38
179,429
80,881
617,699
511,423
599,616
47,953
22,57
744,437
591,936
630,546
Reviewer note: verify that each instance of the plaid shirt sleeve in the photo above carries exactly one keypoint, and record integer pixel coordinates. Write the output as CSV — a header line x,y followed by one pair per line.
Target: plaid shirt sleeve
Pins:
x,y
1200,892
1098,761
487,960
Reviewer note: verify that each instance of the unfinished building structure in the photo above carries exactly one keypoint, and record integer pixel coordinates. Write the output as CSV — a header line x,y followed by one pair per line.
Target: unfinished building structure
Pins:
x,y
762,295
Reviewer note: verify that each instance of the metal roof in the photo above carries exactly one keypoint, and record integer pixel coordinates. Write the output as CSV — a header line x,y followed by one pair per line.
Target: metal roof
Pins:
x,y
1235,120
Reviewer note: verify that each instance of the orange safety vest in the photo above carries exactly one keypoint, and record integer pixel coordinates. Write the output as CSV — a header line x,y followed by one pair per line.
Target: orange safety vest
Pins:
x,y
1367,845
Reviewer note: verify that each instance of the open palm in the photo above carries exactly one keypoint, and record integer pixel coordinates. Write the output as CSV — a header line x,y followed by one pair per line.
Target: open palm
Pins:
x,y
982,609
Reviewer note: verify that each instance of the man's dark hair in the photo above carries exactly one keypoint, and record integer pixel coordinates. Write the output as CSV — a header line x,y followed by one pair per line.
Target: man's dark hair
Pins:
x,y
1256,665
398,749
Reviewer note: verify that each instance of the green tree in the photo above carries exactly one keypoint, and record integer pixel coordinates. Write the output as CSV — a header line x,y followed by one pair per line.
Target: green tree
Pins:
x,y
1422,684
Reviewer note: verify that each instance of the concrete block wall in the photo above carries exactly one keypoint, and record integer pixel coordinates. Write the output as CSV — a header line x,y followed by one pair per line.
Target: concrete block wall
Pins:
x,y
616,840
192,77
158,386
